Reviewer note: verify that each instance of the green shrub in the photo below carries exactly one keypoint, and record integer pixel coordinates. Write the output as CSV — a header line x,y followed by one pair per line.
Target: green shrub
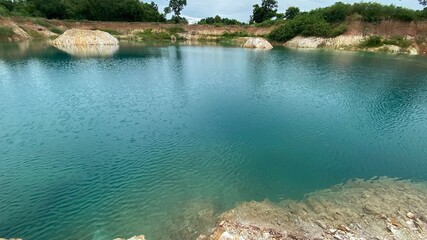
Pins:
x,y
308,25
421,39
45,23
398,41
56,30
175,29
219,21
284,32
339,30
4,11
6,33
404,14
34,34
313,25
370,12
335,13
378,41
235,34
42,22
148,34
269,23
372,41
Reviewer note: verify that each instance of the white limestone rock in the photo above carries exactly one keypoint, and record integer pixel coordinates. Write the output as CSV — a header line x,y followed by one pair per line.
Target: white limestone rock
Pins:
x,y
79,37
258,43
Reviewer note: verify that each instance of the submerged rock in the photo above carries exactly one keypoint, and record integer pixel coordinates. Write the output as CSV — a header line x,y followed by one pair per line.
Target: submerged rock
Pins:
x,y
81,37
140,237
257,42
396,212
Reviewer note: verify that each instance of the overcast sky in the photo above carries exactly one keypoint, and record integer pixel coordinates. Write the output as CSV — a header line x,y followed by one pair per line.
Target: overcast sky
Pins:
x,y
242,9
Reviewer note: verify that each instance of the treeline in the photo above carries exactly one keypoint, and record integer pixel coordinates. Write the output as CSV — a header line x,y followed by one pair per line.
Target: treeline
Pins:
x,y
331,21
218,21
323,21
368,11
99,10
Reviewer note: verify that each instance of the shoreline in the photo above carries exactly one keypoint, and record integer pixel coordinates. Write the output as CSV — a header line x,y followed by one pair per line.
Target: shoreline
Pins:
x,y
43,29
383,208
378,208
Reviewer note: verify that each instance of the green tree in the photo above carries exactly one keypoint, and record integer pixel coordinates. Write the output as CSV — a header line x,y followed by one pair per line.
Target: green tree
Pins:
x,y
50,8
167,10
177,6
266,11
337,12
292,12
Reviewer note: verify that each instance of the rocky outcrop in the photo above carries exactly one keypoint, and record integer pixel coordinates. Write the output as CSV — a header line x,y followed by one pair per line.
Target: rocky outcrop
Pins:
x,y
346,42
394,50
375,209
258,43
79,37
305,42
141,237
340,42
12,32
87,43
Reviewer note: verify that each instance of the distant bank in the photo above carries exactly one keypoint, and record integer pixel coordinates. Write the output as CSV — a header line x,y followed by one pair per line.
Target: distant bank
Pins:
x,y
386,36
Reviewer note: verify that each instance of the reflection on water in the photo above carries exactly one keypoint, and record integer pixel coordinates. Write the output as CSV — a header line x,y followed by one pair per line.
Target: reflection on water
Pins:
x,y
89,51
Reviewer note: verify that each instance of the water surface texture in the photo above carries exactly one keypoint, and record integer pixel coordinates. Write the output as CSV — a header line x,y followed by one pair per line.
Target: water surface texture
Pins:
x,y
97,148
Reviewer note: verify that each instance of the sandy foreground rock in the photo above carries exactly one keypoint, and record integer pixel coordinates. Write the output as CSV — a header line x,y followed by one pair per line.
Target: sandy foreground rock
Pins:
x,y
79,37
258,43
141,237
378,209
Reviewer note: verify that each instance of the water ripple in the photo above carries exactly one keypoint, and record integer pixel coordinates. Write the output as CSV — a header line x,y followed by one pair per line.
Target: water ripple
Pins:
x,y
101,148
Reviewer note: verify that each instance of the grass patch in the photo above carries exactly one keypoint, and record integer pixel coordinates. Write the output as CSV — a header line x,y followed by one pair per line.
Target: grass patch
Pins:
x,y
270,23
421,39
175,30
398,41
49,26
378,41
372,41
42,22
55,30
34,34
230,35
6,33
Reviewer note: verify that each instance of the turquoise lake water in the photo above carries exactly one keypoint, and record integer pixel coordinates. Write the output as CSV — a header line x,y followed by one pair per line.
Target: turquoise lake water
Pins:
x,y
97,148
